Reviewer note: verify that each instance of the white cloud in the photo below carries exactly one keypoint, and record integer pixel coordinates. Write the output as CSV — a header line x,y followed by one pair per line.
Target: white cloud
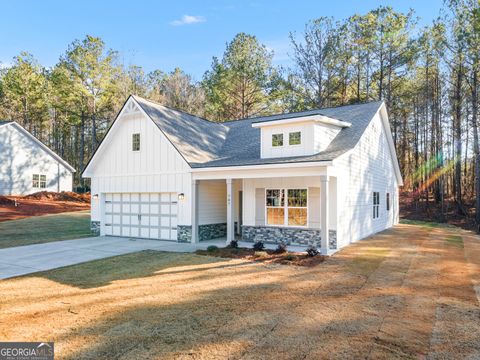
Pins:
x,y
188,20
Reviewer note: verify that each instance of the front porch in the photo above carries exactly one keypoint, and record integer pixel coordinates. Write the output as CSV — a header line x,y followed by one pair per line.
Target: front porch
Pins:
x,y
298,209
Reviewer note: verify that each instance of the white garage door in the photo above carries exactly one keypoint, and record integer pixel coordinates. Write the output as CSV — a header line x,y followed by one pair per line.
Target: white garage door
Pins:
x,y
141,215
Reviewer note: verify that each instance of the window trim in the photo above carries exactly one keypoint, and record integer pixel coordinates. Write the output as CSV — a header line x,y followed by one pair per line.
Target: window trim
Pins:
x,y
40,179
294,132
139,142
277,146
376,205
285,207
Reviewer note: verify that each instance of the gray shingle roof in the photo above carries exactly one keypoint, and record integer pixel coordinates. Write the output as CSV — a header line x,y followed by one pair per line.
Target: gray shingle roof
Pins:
x,y
236,143
4,122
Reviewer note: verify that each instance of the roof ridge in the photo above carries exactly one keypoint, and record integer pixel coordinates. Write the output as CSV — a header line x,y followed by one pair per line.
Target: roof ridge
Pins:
x,y
175,109
303,111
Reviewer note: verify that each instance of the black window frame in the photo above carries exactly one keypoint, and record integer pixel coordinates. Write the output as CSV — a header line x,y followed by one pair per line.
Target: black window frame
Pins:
x,y
136,142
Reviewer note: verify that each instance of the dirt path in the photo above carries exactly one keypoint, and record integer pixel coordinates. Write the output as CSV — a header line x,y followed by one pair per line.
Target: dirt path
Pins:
x,y
410,292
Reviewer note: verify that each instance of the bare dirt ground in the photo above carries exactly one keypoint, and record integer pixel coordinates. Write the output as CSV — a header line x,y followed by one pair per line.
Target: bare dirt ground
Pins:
x,y
41,203
410,292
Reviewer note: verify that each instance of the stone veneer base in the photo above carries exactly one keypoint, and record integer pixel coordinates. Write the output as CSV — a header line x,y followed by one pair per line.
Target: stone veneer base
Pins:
x,y
291,236
95,227
212,231
184,233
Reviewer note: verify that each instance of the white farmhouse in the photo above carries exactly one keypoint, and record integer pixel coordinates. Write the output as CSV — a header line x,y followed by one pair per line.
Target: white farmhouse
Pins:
x,y
27,165
325,176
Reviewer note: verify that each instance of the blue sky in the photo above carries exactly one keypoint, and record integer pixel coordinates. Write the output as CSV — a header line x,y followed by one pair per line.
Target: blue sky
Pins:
x,y
165,34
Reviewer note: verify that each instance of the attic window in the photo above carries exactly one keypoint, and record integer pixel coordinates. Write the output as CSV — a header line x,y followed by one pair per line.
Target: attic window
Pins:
x,y
135,142
295,138
277,140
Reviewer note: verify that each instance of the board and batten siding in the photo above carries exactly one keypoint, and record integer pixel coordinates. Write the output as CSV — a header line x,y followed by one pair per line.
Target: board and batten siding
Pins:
x,y
21,157
212,202
367,168
157,167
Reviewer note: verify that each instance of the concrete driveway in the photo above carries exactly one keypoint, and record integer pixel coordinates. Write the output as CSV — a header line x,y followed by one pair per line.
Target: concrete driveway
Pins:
x,y
28,259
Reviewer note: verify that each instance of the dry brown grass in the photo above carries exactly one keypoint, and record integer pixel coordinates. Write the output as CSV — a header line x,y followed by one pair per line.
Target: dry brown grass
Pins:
x,y
405,293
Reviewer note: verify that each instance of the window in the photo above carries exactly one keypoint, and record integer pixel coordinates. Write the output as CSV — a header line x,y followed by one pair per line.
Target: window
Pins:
x,y
376,204
292,212
295,138
297,207
388,201
277,140
36,181
135,142
39,181
275,203
43,181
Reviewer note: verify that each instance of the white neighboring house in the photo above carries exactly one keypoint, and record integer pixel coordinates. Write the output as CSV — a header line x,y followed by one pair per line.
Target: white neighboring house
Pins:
x,y
27,165
325,176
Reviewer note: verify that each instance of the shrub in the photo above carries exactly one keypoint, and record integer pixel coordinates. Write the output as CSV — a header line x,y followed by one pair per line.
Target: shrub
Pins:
x,y
233,244
281,248
312,250
258,246
212,248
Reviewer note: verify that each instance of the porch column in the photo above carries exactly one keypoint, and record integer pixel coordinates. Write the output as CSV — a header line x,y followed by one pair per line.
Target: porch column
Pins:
x,y
230,222
194,211
324,209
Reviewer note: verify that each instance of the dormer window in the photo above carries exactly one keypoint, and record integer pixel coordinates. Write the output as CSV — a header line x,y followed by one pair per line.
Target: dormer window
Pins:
x,y
295,138
277,140
135,142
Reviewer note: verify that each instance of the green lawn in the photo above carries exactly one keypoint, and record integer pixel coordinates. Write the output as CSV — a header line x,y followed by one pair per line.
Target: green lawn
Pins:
x,y
42,229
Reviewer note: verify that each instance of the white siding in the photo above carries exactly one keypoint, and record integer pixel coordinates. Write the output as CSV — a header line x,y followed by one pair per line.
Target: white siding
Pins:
x,y
305,148
21,157
157,167
315,138
365,169
212,196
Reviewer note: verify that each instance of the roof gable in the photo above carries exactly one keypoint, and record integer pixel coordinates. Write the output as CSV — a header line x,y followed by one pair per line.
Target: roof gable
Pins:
x,y
44,147
204,143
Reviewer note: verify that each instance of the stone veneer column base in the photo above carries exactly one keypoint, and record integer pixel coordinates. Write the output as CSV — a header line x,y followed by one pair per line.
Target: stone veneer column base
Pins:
x,y
184,233
291,236
212,231
95,227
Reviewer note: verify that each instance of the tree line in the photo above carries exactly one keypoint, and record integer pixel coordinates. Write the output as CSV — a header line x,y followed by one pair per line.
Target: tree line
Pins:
x,y
427,76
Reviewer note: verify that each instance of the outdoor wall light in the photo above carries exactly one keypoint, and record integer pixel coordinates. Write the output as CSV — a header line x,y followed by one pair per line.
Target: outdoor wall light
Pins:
x,y
181,196
95,196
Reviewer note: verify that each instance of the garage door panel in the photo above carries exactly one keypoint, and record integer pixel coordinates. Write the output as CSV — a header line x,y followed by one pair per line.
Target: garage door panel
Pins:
x,y
134,220
154,233
145,220
144,233
165,234
134,231
116,230
145,215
